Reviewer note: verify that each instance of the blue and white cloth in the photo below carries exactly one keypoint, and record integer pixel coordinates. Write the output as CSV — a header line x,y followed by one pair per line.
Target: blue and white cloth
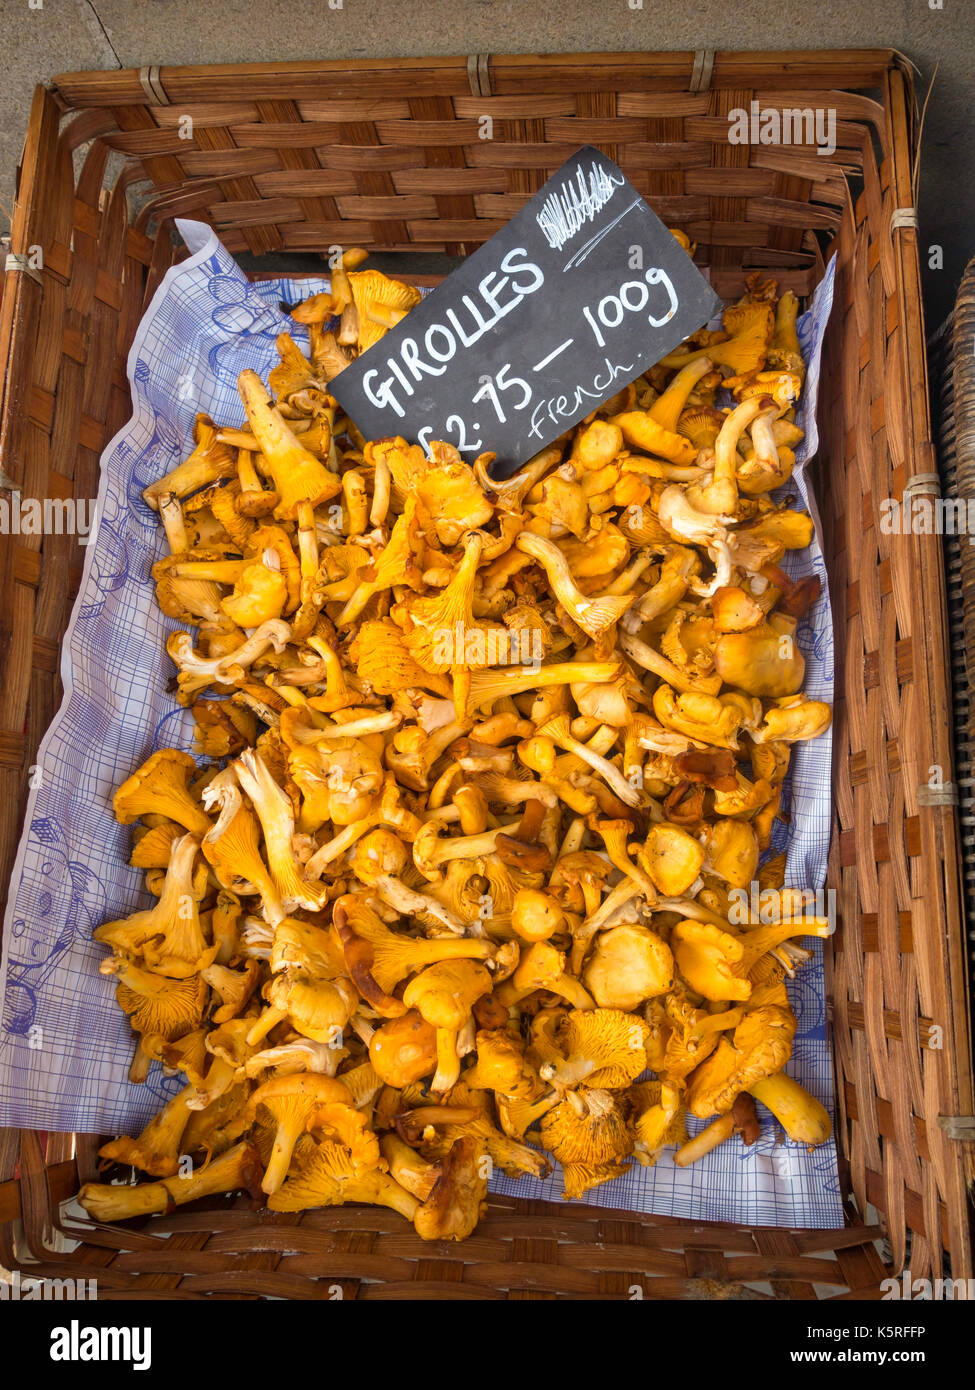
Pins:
x,y
65,1046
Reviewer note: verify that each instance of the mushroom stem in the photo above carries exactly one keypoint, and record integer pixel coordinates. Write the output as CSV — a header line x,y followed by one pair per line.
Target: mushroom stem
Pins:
x,y
488,686
800,1114
594,616
336,847
702,1144
307,548
448,1062
614,834
720,495
171,511
237,1168
380,492
667,407
356,505
615,899
557,730
651,660
355,728
574,836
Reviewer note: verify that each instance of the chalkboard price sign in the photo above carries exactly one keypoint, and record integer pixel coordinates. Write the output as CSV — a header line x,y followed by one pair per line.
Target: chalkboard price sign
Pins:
x,y
581,292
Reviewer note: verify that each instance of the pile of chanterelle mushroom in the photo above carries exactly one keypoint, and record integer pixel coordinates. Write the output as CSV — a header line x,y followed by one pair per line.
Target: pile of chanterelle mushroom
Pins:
x,y
467,878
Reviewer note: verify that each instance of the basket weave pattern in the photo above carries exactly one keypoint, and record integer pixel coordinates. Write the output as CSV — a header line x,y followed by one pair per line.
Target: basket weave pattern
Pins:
x,y
392,156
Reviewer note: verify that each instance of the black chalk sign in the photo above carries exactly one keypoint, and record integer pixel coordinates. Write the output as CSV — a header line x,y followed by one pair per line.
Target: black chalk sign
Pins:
x,y
581,292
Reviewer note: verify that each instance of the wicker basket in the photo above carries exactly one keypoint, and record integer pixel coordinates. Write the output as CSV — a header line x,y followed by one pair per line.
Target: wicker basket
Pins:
x,y
953,369
298,156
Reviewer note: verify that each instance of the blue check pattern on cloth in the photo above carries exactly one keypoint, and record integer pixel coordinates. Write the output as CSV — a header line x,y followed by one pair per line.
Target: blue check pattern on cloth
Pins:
x,y
65,1046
